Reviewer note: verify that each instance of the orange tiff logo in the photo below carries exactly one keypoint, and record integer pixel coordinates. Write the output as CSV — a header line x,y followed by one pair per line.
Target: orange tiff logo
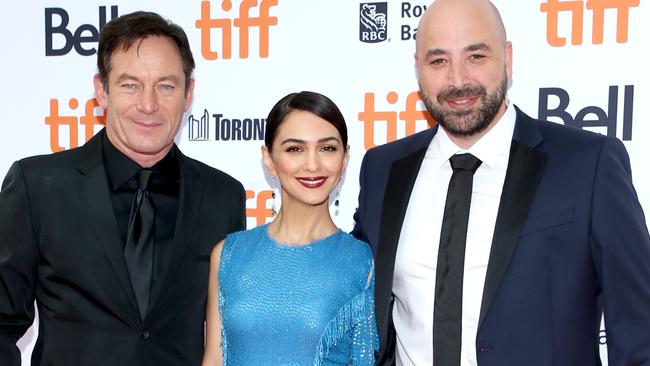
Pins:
x,y
89,120
409,115
244,22
260,212
554,7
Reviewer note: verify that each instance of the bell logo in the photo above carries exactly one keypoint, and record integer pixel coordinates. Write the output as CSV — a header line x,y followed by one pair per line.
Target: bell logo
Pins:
x,y
80,39
89,120
260,212
244,22
576,7
591,116
409,115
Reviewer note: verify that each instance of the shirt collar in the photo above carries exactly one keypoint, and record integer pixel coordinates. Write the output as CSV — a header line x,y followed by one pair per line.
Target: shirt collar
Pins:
x,y
495,143
120,168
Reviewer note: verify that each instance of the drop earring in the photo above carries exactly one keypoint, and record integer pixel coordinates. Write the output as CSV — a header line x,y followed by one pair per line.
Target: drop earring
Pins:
x,y
273,211
336,200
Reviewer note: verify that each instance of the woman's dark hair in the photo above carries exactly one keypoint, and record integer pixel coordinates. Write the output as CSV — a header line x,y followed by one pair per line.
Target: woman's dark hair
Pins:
x,y
124,31
312,102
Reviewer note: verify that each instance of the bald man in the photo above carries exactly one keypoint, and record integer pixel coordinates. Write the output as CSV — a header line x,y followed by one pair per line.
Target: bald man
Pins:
x,y
553,233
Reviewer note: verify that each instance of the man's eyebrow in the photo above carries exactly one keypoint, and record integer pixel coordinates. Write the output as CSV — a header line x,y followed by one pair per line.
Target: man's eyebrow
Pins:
x,y
127,76
478,47
473,47
172,78
435,52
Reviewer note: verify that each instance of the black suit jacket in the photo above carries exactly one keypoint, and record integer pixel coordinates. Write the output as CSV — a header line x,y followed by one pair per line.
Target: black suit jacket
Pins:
x,y
570,239
59,245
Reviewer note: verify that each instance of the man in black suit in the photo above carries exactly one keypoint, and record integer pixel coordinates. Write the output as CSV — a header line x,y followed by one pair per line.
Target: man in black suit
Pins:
x,y
113,239
553,233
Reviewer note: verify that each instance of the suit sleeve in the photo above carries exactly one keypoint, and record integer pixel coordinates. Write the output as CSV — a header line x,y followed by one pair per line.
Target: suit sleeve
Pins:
x,y
621,247
240,212
358,230
18,265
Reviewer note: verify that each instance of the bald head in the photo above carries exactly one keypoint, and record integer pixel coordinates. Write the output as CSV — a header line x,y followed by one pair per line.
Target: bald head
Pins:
x,y
450,13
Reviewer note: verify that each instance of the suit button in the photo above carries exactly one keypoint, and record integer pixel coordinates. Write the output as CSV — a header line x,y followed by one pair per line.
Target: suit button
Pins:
x,y
485,349
144,334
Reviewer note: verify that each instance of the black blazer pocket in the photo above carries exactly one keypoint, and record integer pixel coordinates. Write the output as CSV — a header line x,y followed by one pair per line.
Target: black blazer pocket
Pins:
x,y
547,221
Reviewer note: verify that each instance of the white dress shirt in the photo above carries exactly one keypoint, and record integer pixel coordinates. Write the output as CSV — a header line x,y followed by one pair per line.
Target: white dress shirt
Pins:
x,y
417,252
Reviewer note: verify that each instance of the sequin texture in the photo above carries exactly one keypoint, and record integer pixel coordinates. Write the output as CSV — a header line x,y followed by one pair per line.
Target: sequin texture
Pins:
x,y
296,305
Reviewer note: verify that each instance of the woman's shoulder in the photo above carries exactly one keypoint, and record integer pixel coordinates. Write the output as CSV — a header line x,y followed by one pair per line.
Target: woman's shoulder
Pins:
x,y
354,257
242,241
246,235
355,246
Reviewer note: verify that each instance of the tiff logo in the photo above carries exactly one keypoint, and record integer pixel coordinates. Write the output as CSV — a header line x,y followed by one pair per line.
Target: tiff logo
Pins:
x,y
576,7
89,120
260,212
409,115
243,23
199,129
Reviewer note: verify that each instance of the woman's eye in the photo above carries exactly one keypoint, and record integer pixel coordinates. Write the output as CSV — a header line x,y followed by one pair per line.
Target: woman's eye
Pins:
x,y
293,149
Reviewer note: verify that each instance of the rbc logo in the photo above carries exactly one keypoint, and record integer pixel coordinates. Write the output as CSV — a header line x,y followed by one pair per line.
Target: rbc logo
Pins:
x,y
86,33
409,115
244,22
602,119
373,20
576,7
260,212
89,120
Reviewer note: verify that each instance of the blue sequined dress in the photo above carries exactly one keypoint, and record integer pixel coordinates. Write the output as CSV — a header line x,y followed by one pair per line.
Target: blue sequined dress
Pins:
x,y
296,305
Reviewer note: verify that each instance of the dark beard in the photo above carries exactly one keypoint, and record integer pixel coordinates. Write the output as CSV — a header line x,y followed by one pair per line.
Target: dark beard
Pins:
x,y
472,121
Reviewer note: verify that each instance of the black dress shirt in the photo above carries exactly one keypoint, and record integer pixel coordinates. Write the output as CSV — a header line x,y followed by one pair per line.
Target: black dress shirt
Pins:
x,y
164,191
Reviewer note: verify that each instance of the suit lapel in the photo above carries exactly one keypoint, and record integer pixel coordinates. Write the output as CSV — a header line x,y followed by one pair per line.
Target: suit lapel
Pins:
x,y
191,196
95,193
525,167
401,178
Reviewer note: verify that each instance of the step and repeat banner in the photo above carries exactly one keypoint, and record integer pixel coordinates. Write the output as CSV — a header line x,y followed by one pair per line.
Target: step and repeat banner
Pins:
x,y
576,62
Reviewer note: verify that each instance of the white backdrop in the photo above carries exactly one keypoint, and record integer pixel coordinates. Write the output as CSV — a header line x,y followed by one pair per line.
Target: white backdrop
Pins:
x,y
570,72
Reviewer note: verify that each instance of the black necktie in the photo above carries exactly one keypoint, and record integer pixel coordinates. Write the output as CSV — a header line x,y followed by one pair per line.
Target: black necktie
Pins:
x,y
139,249
448,304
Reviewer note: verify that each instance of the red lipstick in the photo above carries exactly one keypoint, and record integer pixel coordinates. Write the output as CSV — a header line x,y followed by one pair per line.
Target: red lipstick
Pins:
x,y
312,182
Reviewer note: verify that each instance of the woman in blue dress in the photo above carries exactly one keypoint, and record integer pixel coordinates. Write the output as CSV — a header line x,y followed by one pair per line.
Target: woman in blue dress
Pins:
x,y
297,291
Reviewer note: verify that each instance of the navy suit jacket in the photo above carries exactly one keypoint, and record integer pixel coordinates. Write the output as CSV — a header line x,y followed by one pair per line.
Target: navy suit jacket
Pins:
x,y
570,240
